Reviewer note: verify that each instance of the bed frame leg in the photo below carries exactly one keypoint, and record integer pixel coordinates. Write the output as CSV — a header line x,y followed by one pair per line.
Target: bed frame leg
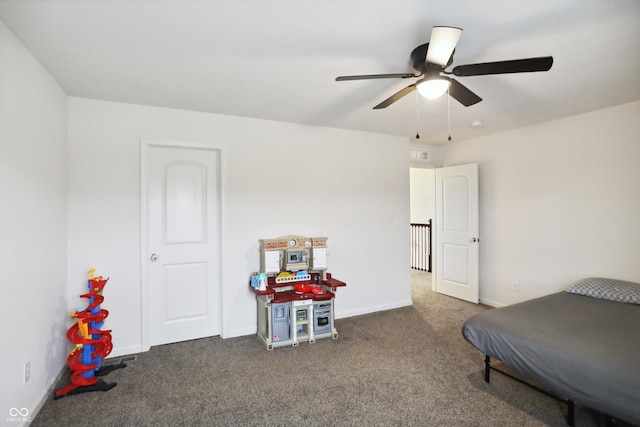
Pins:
x,y
570,411
487,367
570,403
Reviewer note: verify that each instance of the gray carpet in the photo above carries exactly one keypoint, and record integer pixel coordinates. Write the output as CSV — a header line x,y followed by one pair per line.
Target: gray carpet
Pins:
x,y
403,367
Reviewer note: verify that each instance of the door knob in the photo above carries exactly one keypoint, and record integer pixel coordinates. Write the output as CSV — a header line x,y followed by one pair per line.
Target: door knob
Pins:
x,y
154,257
474,240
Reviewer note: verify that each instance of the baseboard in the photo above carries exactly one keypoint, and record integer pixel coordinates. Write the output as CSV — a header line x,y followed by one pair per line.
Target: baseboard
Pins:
x,y
234,333
125,351
48,394
338,315
369,310
491,303
64,371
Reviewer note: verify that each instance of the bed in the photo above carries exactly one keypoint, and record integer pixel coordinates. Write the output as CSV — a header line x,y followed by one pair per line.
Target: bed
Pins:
x,y
582,344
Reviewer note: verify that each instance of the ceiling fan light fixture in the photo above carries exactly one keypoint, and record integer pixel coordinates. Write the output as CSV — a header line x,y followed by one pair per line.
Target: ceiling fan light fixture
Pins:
x,y
433,87
430,60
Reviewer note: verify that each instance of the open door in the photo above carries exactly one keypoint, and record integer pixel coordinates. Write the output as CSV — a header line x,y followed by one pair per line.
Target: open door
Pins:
x,y
456,232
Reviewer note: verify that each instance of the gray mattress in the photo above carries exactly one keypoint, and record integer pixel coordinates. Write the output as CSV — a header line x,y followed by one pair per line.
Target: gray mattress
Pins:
x,y
583,348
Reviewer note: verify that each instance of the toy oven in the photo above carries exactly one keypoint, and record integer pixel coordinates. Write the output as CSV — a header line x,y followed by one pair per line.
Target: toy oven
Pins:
x,y
322,318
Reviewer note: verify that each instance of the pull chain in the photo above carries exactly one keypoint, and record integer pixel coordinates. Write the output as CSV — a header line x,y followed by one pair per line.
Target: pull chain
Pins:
x,y
417,115
449,113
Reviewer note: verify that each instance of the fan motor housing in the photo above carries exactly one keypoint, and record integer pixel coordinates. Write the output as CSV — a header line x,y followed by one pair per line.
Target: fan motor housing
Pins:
x,y
419,63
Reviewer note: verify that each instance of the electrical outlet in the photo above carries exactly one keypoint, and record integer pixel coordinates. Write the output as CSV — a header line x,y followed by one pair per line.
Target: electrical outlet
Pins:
x,y
515,286
27,371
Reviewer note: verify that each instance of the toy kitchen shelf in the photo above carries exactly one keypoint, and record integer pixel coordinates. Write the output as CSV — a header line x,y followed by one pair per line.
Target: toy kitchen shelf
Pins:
x,y
295,295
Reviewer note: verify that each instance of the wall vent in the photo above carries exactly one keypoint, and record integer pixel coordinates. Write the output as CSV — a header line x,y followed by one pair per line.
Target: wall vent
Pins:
x,y
419,155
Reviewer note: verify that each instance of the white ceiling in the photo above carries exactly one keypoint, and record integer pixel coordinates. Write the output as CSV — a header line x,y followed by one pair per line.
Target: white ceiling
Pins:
x,y
277,59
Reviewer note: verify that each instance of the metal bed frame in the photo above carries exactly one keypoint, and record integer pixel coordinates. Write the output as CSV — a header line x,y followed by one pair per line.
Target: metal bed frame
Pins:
x,y
570,403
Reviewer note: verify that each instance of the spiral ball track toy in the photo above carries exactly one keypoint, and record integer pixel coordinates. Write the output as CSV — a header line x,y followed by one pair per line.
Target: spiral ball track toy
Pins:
x,y
92,344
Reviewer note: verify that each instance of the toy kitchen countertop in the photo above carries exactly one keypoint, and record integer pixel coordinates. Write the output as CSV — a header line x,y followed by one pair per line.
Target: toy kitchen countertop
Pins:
x,y
327,285
286,296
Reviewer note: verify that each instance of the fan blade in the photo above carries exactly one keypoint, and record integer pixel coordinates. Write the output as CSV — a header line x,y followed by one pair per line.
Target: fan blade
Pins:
x,y
528,65
396,96
441,44
462,94
377,76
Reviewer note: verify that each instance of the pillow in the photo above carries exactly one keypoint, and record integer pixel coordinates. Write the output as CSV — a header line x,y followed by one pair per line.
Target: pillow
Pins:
x,y
610,289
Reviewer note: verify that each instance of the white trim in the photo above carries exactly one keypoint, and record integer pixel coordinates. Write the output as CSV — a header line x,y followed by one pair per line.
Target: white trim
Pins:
x,y
145,145
233,333
491,303
144,250
124,351
33,413
369,310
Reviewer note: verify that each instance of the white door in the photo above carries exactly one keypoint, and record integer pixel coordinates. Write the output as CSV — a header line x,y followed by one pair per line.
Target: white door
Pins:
x,y
183,243
456,232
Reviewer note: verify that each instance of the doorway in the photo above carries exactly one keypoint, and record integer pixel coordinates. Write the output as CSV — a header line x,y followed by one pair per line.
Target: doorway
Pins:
x,y
422,212
450,195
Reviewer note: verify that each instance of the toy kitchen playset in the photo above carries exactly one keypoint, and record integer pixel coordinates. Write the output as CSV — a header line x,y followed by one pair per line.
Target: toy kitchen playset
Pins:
x,y
295,294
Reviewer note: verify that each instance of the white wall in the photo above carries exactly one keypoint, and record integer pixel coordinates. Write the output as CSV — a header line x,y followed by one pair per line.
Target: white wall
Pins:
x,y
280,179
558,202
33,251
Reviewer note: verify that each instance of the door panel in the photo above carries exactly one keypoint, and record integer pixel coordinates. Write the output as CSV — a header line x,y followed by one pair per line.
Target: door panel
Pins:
x,y
186,195
455,203
183,205
455,260
187,292
456,232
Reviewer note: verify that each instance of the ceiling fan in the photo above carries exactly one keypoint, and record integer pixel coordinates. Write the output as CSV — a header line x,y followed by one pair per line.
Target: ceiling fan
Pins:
x,y
430,61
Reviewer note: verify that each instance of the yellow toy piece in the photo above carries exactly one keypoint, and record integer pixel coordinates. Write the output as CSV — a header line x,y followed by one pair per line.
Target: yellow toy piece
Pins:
x,y
84,329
